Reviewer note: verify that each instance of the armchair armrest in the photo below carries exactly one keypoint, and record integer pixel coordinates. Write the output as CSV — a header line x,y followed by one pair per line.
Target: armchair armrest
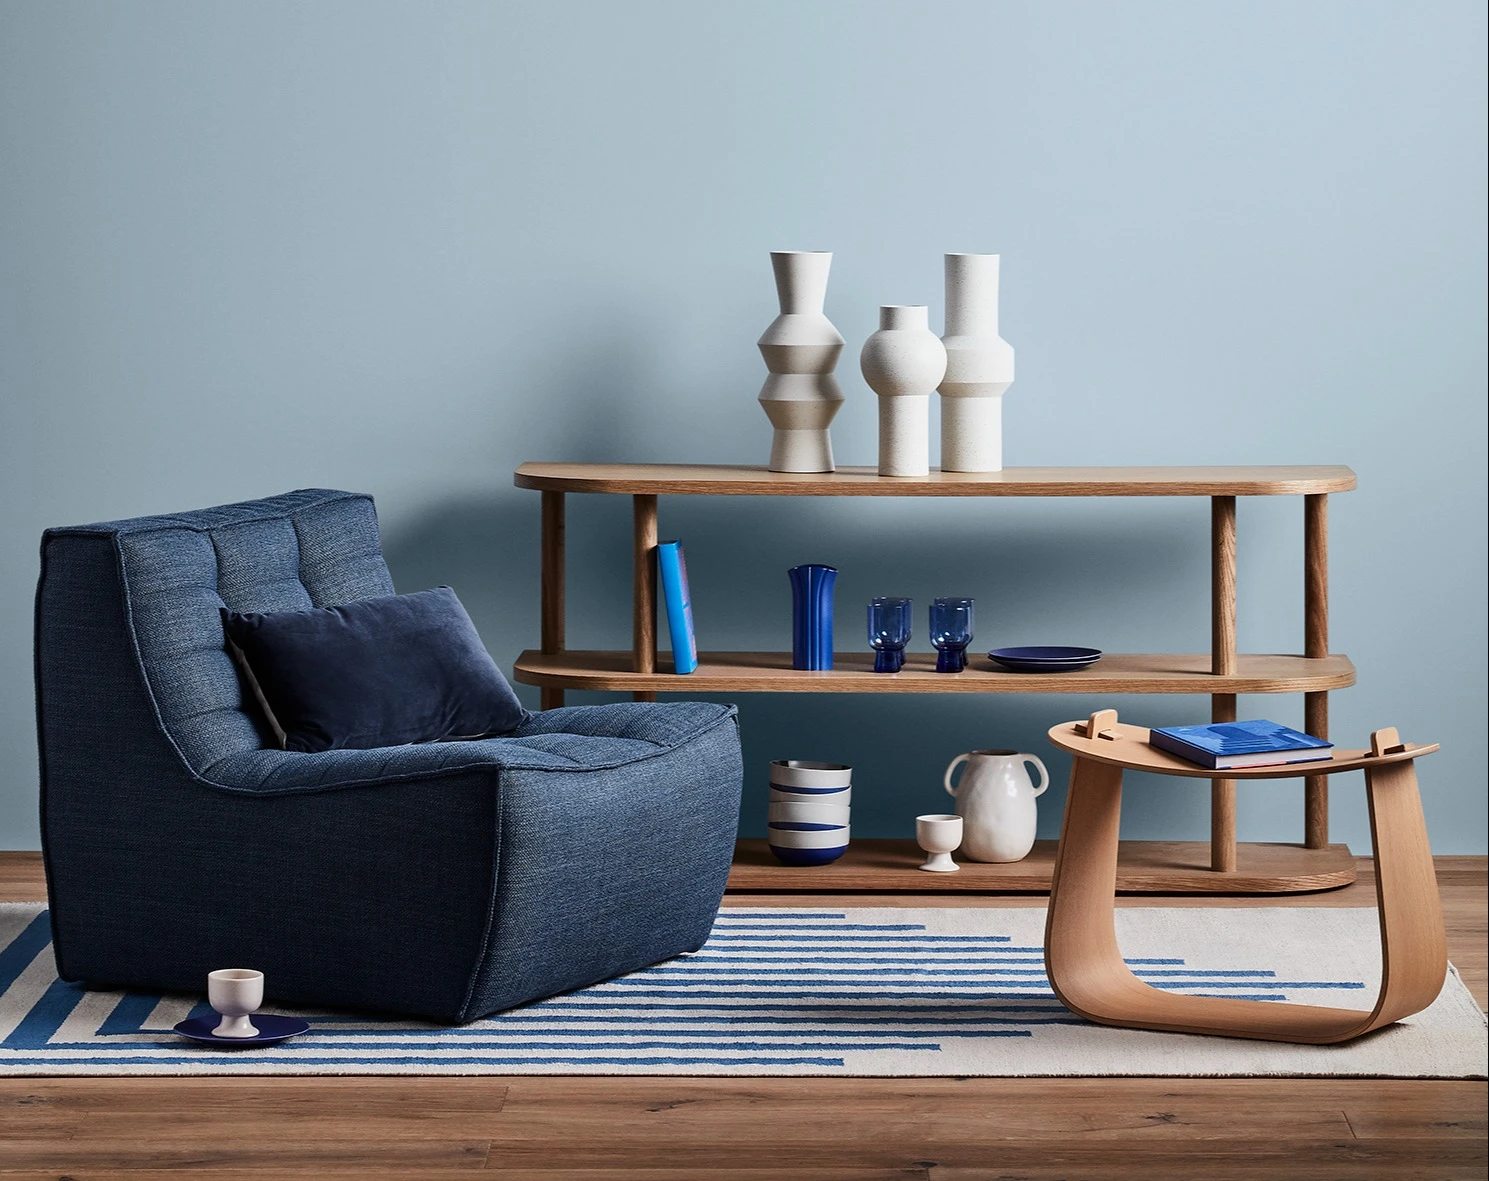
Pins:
x,y
665,723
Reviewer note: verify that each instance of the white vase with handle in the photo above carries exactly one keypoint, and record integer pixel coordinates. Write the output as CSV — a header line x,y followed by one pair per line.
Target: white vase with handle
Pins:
x,y
995,799
903,362
979,367
801,348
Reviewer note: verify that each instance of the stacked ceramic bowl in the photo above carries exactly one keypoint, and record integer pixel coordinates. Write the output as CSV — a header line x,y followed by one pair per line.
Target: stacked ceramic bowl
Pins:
x,y
808,821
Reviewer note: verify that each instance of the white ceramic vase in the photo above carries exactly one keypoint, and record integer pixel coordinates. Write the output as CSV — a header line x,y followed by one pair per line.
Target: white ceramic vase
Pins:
x,y
903,362
979,367
801,349
995,800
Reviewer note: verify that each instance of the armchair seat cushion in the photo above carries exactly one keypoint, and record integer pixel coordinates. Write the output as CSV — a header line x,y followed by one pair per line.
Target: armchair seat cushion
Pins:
x,y
577,738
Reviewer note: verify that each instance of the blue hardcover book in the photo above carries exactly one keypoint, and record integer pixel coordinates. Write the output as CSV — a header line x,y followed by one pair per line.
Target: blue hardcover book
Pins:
x,y
1240,744
673,570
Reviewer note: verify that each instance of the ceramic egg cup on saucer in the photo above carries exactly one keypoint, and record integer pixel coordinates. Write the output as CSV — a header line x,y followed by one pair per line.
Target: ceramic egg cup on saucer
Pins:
x,y
236,994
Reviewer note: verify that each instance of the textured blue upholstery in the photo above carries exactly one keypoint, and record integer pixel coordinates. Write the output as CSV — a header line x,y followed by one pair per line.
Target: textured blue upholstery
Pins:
x,y
445,880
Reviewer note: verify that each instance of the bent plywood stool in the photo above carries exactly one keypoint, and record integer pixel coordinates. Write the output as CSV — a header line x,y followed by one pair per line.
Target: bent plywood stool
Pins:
x,y
1081,956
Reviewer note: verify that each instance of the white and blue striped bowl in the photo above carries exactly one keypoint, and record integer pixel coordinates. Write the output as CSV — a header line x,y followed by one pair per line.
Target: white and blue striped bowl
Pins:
x,y
817,795
808,812
805,775
807,844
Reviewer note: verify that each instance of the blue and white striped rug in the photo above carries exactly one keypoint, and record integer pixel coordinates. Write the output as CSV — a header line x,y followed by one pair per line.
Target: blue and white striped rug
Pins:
x,y
800,992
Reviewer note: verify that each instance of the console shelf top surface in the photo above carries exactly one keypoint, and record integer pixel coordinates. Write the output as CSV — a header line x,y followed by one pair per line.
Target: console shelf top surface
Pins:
x,y
642,479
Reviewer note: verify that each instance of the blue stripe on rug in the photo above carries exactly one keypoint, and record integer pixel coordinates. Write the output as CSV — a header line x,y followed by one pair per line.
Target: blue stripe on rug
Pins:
x,y
17,956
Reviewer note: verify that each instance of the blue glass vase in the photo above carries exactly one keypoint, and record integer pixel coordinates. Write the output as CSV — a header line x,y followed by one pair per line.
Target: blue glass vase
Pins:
x,y
811,616
951,632
889,632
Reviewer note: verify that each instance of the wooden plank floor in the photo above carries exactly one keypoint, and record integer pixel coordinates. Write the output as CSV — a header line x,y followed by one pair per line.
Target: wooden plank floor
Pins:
x,y
746,1129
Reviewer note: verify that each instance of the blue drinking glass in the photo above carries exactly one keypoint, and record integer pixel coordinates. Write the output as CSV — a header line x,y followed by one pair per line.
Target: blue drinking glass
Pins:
x,y
951,632
889,632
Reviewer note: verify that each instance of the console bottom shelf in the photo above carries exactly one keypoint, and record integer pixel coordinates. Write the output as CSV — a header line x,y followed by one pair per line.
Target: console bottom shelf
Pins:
x,y
1143,867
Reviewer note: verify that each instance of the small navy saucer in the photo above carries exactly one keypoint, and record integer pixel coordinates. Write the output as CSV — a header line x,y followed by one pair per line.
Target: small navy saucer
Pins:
x,y
1045,659
272,1028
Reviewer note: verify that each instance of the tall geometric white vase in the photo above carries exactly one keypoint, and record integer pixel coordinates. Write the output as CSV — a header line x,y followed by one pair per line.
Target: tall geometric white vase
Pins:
x,y
903,362
979,367
801,349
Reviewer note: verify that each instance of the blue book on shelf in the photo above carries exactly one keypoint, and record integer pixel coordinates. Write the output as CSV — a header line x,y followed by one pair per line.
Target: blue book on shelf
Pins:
x,y
674,573
1223,745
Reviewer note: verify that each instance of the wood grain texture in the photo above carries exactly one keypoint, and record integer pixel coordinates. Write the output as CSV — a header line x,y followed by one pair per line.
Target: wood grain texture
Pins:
x,y
1223,797
644,584
1316,787
1128,747
1146,867
705,1129
853,672
1085,965
552,587
1223,663
724,480
1316,644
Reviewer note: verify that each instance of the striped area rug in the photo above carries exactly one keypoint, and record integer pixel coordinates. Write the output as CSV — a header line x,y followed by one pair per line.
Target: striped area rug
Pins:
x,y
801,992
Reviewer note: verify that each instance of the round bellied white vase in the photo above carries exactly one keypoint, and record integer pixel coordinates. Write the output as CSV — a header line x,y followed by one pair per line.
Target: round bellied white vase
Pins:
x,y
903,362
801,349
979,367
995,800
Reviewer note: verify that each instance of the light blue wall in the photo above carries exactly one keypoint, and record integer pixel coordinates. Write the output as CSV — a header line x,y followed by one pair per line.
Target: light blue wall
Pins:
x,y
401,247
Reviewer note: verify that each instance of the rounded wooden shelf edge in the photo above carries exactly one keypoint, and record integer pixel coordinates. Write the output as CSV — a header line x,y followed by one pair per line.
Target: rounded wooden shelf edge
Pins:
x,y
651,479
1143,867
771,672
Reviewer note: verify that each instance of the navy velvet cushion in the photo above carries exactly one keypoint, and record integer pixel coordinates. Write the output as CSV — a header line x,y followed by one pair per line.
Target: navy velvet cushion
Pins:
x,y
376,672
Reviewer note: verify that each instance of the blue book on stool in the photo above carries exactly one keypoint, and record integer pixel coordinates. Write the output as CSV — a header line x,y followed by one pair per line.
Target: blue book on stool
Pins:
x,y
1240,744
673,570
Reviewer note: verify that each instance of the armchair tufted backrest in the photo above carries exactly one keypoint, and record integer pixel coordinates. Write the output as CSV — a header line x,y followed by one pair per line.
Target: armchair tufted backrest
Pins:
x,y
311,548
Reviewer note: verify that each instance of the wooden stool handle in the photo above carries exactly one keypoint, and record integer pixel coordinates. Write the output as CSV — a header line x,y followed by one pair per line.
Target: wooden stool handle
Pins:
x,y
1101,725
1386,742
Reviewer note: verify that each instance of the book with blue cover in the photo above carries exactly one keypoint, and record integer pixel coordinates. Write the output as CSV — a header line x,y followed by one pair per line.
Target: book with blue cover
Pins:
x,y
673,571
1223,745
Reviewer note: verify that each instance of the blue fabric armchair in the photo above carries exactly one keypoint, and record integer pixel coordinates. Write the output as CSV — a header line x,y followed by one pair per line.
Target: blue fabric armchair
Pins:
x,y
446,880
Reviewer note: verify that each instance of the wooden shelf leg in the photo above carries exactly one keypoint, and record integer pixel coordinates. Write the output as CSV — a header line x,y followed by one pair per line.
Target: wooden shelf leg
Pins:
x,y
644,589
551,594
1316,646
1223,663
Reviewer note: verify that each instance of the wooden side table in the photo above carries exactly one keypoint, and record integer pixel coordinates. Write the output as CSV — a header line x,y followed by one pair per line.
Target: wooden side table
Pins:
x,y
1081,956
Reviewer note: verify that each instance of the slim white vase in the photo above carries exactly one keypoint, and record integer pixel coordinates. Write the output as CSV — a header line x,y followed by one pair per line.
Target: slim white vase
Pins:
x,y
979,367
801,349
903,362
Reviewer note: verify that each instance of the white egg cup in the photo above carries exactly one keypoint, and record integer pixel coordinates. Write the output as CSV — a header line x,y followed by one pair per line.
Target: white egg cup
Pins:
x,y
235,993
938,835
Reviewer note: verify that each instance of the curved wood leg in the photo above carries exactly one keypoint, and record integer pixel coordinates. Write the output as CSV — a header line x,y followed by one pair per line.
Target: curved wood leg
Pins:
x,y
1085,965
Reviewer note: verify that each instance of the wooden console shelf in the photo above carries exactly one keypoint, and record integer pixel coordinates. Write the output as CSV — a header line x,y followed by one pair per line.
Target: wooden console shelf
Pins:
x,y
1221,674
853,672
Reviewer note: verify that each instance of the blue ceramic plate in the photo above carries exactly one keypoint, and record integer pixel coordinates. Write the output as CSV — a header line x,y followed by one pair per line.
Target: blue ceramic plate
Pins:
x,y
271,1029
1044,659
